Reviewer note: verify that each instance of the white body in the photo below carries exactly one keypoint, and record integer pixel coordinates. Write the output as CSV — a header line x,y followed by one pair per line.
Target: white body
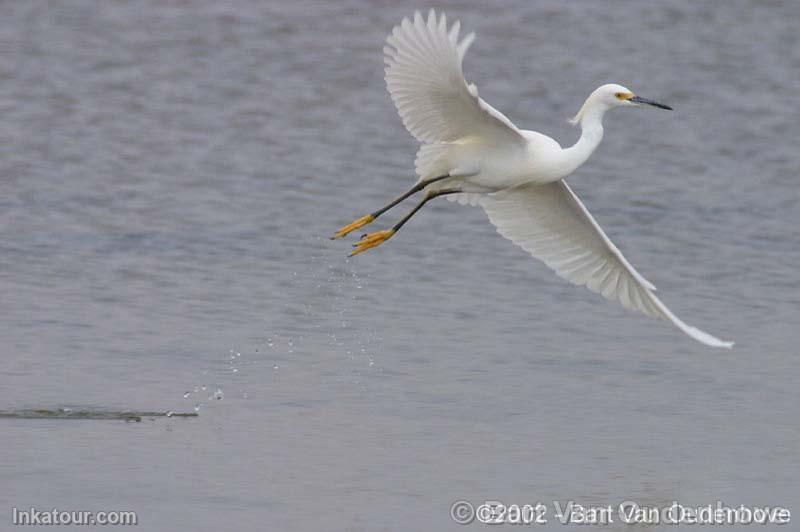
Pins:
x,y
492,167
515,175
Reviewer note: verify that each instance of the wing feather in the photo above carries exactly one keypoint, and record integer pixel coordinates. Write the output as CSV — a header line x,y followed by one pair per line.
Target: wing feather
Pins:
x,y
552,224
425,79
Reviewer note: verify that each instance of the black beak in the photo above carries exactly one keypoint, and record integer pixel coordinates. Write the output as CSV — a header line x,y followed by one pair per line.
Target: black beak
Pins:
x,y
637,99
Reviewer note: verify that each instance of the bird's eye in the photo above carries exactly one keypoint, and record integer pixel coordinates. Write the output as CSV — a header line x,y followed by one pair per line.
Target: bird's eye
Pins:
x,y
619,95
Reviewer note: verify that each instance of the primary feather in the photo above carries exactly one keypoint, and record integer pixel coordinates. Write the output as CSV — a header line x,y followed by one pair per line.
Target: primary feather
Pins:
x,y
552,224
426,83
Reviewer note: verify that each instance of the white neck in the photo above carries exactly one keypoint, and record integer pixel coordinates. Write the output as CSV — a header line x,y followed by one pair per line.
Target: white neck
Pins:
x,y
591,121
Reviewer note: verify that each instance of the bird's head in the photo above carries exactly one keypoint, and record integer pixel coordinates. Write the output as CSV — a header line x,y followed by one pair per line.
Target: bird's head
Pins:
x,y
610,96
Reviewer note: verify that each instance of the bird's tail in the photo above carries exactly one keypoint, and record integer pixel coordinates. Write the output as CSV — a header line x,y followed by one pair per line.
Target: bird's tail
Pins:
x,y
434,160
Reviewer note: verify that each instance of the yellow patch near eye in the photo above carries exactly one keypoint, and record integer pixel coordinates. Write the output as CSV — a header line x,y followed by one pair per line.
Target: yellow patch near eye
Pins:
x,y
624,95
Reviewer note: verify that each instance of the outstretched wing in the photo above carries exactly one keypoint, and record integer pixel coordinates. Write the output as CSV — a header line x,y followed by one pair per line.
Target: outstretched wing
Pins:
x,y
426,83
551,223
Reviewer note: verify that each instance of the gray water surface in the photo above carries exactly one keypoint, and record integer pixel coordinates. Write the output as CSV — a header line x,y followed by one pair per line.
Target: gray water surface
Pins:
x,y
169,176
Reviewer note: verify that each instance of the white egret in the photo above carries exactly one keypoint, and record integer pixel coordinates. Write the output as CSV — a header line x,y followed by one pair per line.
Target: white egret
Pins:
x,y
475,154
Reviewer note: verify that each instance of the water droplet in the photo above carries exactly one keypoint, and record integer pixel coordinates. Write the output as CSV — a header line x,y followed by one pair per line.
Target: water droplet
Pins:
x,y
275,366
198,406
186,395
235,370
218,395
170,413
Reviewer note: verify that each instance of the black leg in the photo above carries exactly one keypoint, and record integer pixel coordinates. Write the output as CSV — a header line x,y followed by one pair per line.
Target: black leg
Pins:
x,y
413,190
368,218
419,205
379,237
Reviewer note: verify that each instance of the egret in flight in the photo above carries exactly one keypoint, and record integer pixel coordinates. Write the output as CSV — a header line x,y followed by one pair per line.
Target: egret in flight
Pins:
x,y
474,154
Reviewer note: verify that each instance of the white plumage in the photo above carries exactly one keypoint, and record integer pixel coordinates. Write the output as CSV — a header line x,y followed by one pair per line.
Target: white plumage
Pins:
x,y
515,175
425,80
551,223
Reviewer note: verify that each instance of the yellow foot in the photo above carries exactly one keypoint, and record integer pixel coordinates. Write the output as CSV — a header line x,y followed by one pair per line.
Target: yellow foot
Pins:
x,y
361,222
372,240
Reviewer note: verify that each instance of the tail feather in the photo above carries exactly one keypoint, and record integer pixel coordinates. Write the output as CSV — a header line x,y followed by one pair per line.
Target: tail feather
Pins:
x,y
433,160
